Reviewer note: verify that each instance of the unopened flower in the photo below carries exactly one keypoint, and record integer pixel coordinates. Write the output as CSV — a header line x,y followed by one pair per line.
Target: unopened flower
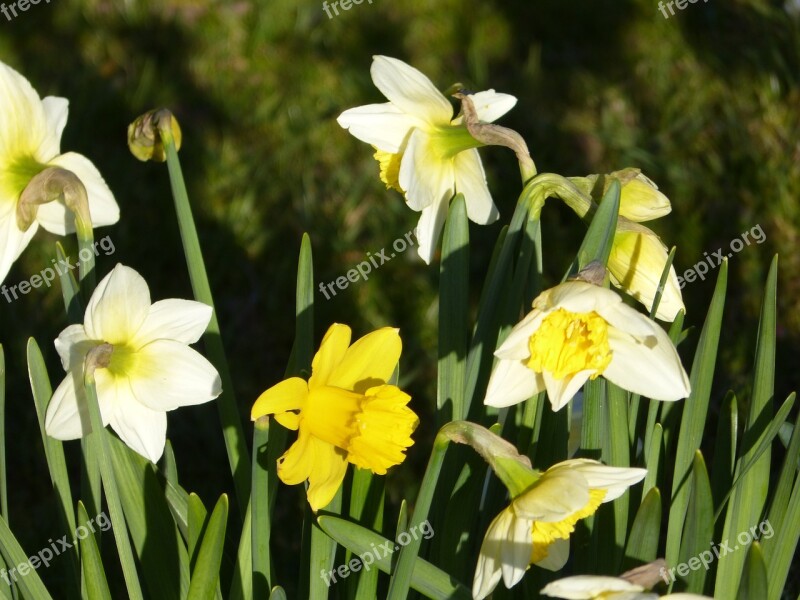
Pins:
x,y
422,150
535,528
597,587
578,331
30,138
151,370
345,413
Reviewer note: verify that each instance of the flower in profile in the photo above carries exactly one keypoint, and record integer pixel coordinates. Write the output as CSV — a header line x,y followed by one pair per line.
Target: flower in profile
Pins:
x,y
345,413
30,138
423,152
151,369
578,331
597,587
535,528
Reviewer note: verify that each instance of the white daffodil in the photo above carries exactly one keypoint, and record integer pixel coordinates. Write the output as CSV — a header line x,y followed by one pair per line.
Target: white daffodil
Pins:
x,y
578,331
30,138
597,587
536,527
152,370
423,151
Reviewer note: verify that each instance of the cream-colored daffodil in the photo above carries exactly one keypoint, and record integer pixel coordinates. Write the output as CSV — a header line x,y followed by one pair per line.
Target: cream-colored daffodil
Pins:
x,y
422,150
536,526
578,331
598,587
345,413
151,370
30,138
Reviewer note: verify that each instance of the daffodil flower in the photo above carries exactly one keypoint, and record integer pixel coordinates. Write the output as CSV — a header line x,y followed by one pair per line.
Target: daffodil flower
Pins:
x,y
536,526
345,413
578,331
422,150
597,587
151,371
30,137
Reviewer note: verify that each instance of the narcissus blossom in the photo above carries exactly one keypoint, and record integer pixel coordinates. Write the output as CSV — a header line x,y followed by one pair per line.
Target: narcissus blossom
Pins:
x,y
30,138
152,369
424,152
345,413
578,331
536,526
597,587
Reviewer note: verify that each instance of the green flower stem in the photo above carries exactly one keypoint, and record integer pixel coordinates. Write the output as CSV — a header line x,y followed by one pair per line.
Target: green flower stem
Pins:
x,y
401,578
232,428
103,454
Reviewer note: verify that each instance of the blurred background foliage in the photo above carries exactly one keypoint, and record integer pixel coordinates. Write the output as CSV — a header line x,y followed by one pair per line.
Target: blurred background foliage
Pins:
x,y
706,102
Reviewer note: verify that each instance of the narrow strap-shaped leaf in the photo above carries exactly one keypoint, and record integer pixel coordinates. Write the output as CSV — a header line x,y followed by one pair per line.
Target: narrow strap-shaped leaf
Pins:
x,y
94,576
642,546
779,503
205,575
69,286
242,584
725,448
30,584
784,545
198,515
597,243
652,460
366,507
754,575
698,529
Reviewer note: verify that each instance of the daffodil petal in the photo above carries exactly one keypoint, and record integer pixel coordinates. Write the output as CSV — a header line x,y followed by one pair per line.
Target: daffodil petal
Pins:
x,y
384,126
516,345
143,429
587,587
426,177
168,374
72,346
66,418
297,462
56,111
471,181
647,366
118,306
581,297
682,596
557,555
331,352
289,394
325,479
561,391
429,228
55,217
558,494
23,126
180,320
491,105
627,319
641,201
516,552
512,382
12,242
409,90
615,480
489,571
369,362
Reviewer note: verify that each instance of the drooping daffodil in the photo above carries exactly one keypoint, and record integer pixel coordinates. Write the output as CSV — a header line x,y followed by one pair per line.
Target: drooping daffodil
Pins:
x,y
535,528
346,413
578,331
152,369
30,139
423,151
598,587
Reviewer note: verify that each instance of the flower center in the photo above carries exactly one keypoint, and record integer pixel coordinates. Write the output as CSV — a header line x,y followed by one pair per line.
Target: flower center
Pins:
x,y
390,169
567,343
123,360
544,534
15,177
447,141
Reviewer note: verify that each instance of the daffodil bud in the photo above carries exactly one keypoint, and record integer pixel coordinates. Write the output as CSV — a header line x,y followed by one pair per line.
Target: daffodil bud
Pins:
x,y
639,200
147,134
636,262
53,184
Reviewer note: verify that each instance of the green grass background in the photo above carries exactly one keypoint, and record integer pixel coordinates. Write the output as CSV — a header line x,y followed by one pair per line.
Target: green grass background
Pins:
x,y
707,103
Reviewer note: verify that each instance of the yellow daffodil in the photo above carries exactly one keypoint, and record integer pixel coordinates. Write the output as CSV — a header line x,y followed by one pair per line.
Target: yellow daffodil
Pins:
x,y
597,587
345,413
536,526
638,255
151,370
577,331
30,138
422,150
